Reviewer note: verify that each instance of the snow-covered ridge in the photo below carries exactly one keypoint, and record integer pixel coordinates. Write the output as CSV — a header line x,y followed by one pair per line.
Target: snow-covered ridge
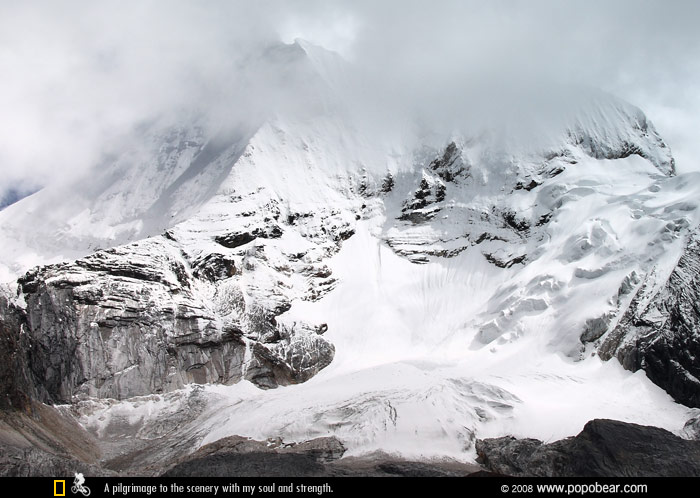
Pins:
x,y
166,171
460,283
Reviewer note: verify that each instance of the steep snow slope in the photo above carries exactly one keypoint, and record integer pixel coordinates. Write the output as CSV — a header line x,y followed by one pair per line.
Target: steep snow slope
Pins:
x,y
164,170
465,282
659,332
144,191
429,355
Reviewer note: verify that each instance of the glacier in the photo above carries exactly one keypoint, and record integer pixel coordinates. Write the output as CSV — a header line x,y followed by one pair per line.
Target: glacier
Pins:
x,y
300,277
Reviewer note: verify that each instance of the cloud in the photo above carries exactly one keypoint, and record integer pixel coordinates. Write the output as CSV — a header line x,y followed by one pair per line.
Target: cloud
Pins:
x,y
78,76
643,51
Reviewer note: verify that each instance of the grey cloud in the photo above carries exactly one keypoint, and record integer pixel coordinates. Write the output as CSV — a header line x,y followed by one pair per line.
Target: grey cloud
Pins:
x,y
78,76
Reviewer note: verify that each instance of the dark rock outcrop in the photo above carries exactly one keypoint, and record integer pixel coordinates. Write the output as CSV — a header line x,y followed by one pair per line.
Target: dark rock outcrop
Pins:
x,y
387,184
505,262
236,239
660,331
214,267
450,166
604,448
33,462
129,322
691,429
241,456
319,457
429,191
17,384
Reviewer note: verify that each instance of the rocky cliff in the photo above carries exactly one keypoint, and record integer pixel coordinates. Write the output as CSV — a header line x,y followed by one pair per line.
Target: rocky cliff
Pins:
x,y
131,321
604,448
433,285
660,331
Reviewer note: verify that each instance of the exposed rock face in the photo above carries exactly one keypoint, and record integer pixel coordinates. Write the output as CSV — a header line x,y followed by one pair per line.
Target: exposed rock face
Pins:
x,y
134,321
35,439
644,141
254,212
660,331
43,440
233,240
240,456
691,430
605,448
17,386
430,220
146,434
33,462
314,458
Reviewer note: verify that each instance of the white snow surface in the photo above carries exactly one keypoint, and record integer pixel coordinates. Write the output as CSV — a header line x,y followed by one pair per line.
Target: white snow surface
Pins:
x,y
431,356
412,374
428,356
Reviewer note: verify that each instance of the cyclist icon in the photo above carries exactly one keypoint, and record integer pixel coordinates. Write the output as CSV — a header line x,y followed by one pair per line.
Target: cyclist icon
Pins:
x,y
78,485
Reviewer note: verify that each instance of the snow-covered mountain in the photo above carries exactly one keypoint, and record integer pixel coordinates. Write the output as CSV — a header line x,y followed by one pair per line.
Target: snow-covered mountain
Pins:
x,y
406,294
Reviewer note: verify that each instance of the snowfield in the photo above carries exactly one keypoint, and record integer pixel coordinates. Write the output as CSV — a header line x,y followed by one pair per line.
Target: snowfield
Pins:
x,y
431,356
465,281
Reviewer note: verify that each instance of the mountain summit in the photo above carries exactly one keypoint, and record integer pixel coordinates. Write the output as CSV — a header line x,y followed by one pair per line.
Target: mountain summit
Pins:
x,y
405,292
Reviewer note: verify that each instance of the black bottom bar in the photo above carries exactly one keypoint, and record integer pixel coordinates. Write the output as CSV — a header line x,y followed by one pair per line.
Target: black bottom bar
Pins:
x,y
217,487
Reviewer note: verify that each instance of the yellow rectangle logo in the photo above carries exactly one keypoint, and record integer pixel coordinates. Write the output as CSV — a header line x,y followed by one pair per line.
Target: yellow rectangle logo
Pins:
x,y
59,487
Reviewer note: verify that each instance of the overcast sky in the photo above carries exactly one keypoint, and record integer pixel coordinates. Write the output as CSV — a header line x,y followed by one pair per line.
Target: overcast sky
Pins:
x,y
75,75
